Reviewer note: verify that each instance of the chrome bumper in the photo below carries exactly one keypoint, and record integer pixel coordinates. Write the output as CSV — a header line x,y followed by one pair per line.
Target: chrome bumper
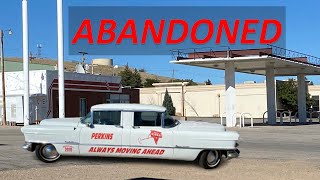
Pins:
x,y
27,146
233,153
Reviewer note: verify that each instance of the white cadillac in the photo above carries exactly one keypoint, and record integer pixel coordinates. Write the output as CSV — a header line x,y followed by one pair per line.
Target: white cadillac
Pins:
x,y
131,130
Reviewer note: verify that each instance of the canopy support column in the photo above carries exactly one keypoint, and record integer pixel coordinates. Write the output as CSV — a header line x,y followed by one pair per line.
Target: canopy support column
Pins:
x,y
302,105
271,97
230,94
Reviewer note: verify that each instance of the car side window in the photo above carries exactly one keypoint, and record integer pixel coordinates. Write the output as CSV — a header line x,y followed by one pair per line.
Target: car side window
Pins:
x,y
107,117
147,118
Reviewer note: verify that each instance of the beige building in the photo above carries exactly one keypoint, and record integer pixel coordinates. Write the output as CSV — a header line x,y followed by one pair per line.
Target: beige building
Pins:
x,y
208,100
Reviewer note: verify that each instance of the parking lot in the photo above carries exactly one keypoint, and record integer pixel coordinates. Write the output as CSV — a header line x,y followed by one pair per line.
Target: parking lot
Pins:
x,y
267,152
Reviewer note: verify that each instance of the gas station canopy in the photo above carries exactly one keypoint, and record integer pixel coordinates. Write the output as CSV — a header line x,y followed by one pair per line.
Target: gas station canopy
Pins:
x,y
270,61
252,61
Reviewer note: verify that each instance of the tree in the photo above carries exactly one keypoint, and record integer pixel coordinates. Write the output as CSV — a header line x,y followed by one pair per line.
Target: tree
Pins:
x,y
126,75
287,94
137,79
142,70
208,82
168,104
129,78
149,82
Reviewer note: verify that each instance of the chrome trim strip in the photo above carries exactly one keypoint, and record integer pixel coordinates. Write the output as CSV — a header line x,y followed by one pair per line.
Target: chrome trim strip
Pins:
x,y
72,142
112,145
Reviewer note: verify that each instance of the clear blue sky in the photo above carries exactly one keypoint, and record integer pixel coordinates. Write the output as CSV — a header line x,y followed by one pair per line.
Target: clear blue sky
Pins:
x,y
302,33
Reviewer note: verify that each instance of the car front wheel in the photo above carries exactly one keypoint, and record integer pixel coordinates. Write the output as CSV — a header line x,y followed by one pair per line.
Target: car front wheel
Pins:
x,y
47,153
210,159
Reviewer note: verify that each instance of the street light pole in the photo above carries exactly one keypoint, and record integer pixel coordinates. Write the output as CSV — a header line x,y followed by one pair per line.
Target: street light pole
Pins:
x,y
4,117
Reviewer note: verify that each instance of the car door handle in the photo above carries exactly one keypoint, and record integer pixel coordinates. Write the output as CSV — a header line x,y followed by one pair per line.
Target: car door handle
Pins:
x,y
118,126
135,127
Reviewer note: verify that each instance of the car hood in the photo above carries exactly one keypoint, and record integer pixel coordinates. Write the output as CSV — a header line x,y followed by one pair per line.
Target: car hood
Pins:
x,y
60,122
200,126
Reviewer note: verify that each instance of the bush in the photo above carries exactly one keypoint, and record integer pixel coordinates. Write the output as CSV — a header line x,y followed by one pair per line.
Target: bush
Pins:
x,y
168,104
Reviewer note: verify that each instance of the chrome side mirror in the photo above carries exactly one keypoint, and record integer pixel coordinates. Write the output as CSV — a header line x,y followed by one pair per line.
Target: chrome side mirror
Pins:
x,y
90,125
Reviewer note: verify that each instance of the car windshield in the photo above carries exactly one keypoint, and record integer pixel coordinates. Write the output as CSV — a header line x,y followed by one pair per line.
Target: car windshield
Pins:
x,y
169,121
86,119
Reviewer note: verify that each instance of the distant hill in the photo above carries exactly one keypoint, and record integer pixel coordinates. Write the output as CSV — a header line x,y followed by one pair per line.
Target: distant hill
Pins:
x,y
97,69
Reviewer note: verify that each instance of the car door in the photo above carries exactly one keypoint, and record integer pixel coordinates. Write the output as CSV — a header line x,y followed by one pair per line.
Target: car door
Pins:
x,y
149,137
104,135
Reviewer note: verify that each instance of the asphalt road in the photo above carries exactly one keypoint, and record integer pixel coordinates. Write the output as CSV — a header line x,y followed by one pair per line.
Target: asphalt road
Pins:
x,y
261,148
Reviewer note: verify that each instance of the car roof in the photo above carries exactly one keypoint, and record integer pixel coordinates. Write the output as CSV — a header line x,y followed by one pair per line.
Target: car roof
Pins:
x,y
128,107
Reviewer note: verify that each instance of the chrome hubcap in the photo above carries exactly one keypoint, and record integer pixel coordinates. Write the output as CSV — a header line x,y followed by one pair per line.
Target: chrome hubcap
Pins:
x,y
50,152
213,158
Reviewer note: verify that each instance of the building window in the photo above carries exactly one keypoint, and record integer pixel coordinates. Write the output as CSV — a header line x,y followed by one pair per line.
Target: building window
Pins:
x,y
147,118
124,98
118,98
83,107
13,111
107,117
315,106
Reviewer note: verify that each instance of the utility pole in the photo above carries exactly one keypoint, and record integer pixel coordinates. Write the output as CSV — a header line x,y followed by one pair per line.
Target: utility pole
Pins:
x,y
4,118
4,108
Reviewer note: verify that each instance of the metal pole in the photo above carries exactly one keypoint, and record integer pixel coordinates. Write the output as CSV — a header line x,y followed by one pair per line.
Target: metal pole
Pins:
x,y
60,59
36,110
182,99
219,105
25,45
4,118
91,66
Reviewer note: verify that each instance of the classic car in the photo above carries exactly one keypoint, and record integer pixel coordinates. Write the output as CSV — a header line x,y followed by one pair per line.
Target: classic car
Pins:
x,y
131,130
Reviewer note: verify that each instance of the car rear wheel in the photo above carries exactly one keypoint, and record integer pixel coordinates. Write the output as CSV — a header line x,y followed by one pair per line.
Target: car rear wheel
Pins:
x,y
47,153
210,159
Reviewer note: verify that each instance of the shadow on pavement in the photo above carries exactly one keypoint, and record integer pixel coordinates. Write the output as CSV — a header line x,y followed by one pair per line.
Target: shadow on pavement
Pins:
x,y
145,178
102,160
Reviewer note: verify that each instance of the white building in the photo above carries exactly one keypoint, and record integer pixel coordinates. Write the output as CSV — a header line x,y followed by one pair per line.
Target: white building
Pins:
x,y
81,92
209,100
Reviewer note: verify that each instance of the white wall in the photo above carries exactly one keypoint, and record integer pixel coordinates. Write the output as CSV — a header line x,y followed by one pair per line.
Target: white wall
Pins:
x,y
14,82
204,100
14,92
40,80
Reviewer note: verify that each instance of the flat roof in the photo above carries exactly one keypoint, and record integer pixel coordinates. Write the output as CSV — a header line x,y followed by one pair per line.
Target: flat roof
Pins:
x,y
252,61
128,107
